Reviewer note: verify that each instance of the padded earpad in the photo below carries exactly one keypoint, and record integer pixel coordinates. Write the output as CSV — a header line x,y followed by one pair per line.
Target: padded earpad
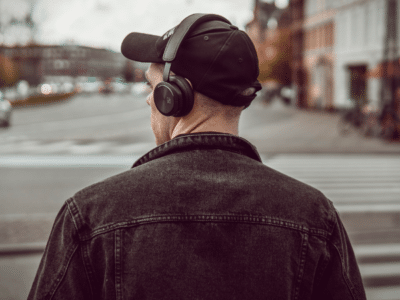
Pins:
x,y
187,93
168,98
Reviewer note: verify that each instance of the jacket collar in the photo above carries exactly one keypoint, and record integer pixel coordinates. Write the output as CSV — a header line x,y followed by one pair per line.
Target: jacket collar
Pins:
x,y
201,140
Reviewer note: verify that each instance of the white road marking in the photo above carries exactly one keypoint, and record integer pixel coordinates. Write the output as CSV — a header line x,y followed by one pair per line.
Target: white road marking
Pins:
x,y
86,121
14,161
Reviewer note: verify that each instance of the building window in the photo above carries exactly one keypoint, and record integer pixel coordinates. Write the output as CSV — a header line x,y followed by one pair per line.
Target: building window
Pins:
x,y
47,53
311,7
381,21
60,64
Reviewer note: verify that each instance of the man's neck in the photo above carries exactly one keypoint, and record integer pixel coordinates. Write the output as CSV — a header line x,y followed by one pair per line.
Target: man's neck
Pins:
x,y
195,124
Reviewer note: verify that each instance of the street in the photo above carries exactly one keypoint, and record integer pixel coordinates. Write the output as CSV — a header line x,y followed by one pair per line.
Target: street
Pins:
x,y
51,152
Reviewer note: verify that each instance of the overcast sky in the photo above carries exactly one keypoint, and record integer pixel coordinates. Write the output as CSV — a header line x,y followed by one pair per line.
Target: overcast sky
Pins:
x,y
105,23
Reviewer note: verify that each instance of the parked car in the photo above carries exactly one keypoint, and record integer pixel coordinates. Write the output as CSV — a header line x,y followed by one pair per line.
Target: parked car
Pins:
x,y
5,111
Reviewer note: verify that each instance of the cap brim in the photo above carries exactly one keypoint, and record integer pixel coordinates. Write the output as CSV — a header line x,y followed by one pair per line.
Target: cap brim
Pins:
x,y
141,47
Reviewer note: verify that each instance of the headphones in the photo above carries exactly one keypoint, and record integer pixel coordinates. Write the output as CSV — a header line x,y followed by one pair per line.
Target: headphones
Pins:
x,y
174,95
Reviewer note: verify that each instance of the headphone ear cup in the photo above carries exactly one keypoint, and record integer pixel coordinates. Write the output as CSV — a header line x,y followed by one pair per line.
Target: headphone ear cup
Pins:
x,y
187,95
168,98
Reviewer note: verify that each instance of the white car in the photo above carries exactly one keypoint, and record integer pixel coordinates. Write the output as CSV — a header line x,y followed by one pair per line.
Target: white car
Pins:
x,y
5,111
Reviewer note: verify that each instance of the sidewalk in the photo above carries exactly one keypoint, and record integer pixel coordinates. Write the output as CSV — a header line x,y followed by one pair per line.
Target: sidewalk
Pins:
x,y
308,131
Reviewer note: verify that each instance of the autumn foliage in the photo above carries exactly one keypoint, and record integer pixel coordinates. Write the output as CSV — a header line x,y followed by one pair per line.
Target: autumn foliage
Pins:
x,y
275,55
9,72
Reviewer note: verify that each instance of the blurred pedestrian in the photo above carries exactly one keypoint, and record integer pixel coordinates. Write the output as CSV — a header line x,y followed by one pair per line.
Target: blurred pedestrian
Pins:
x,y
200,216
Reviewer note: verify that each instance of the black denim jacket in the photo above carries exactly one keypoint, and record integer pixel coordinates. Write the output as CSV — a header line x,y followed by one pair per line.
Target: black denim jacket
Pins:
x,y
199,217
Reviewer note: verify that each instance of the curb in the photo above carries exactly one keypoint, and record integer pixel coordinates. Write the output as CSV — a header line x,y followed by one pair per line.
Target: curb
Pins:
x,y
41,99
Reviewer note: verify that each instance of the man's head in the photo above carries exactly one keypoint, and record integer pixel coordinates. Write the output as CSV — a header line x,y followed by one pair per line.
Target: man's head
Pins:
x,y
206,115
218,60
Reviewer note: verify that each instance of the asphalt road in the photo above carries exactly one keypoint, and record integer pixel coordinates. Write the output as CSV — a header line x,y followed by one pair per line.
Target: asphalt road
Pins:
x,y
83,117
107,117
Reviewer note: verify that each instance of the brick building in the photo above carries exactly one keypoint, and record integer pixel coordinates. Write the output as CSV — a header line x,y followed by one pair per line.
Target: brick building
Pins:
x,y
270,32
299,77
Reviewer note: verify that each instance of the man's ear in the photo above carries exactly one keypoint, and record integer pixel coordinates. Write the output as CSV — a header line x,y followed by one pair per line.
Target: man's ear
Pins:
x,y
191,85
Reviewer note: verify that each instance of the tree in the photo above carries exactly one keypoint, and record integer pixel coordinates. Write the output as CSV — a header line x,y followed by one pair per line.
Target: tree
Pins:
x,y
9,72
275,62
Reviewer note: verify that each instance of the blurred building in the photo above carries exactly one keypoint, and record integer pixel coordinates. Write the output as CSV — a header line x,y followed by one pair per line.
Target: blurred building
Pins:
x,y
319,55
343,52
348,51
68,63
361,28
299,77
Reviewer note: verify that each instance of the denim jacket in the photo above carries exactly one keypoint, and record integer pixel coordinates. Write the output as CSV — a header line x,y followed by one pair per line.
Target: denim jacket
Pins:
x,y
199,217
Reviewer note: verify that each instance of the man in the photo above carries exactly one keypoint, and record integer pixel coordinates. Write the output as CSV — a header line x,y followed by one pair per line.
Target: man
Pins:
x,y
199,216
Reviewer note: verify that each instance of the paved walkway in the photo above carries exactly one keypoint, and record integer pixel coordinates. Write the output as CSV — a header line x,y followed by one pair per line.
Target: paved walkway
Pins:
x,y
308,131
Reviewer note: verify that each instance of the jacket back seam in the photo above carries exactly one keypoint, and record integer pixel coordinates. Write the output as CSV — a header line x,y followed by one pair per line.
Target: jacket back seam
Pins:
x,y
118,264
267,221
303,254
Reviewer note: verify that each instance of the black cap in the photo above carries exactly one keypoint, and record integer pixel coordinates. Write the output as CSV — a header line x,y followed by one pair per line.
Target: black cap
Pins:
x,y
219,59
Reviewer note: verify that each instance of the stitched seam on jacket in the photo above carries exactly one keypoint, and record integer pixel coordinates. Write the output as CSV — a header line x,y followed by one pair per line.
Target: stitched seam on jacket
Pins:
x,y
118,264
87,272
332,216
206,218
75,215
61,276
303,253
344,270
88,267
198,140
344,274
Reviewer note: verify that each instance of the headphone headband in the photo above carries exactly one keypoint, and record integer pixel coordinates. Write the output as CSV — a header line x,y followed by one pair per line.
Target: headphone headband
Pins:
x,y
183,29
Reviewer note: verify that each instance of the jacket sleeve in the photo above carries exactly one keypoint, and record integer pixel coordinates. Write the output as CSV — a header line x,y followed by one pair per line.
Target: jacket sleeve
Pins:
x,y
61,273
341,278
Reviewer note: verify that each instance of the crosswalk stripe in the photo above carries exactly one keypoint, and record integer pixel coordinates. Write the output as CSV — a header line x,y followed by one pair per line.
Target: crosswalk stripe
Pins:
x,y
373,250
67,161
383,293
380,270
73,147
